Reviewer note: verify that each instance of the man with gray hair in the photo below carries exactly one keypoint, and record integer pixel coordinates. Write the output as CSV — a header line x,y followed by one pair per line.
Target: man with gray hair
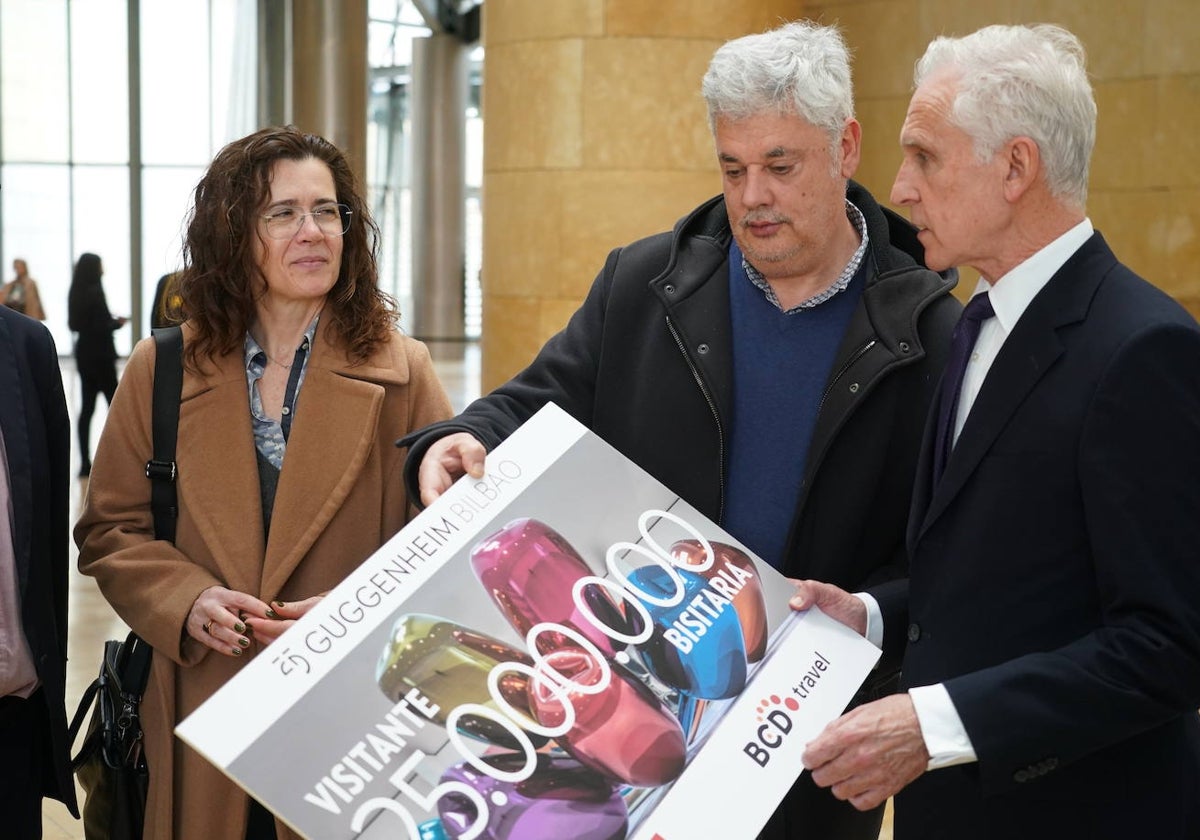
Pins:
x,y
771,360
1050,628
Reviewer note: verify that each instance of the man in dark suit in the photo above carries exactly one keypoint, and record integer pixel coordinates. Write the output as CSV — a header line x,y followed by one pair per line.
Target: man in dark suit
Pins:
x,y
34,483
1050,627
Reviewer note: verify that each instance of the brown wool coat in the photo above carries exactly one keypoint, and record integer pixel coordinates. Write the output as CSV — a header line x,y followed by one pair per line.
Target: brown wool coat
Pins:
x,y
340,496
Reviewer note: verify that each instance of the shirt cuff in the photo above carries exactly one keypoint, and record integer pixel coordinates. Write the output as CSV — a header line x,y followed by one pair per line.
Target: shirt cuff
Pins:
x,y
874,632
945,736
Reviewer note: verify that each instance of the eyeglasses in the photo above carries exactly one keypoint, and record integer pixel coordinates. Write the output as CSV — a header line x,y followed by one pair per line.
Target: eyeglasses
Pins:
x,y
285,222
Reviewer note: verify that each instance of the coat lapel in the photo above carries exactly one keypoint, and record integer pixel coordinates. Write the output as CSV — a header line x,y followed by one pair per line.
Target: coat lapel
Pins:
x,y
218,473
1028,353
335,430
923,483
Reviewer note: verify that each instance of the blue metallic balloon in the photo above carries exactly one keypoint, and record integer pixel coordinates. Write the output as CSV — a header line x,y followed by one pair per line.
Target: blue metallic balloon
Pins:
x,y
697,645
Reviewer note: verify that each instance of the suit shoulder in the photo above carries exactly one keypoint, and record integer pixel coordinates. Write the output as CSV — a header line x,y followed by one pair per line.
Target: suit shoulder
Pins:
x,y
32,335
1137,302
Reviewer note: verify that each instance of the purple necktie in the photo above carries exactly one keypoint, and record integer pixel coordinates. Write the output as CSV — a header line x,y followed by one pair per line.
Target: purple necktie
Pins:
x,y
978,310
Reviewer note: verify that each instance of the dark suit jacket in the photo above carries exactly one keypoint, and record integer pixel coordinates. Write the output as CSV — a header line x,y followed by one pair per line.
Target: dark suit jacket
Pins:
x,y
1055,574
37,435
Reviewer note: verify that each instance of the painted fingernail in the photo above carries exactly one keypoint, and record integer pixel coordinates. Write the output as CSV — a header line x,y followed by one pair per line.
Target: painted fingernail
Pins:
x,y
244,642
242,614
271,613
236,651
279,603
249,630
239,628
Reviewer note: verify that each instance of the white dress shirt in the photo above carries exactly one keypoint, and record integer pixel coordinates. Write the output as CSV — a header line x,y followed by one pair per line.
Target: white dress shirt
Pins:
x,y
945,736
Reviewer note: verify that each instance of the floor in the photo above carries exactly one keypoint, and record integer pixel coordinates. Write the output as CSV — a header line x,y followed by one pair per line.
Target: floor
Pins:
x,y
92,621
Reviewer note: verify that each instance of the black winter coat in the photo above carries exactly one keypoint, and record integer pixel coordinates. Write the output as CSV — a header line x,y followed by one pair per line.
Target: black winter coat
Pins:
x,y
646,363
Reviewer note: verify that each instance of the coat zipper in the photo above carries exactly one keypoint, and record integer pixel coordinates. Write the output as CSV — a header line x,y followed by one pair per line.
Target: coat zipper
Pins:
x,y
805,486
849,364
712,406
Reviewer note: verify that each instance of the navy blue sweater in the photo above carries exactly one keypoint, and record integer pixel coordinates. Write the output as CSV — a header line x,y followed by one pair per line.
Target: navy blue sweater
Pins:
x,y
781,363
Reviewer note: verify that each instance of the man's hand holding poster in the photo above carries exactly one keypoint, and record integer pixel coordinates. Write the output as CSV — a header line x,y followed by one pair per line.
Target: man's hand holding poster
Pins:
x,y
563,648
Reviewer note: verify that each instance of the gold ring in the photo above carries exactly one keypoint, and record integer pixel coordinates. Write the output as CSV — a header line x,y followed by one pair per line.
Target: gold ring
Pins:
x,y
207,626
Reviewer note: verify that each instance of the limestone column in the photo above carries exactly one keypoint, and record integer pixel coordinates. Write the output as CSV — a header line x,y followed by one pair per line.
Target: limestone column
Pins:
x,y
439,102
329,75
274,73
595,134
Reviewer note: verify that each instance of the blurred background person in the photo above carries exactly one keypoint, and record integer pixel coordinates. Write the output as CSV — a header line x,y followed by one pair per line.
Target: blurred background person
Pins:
x,y
95,351
35,452
296,384
21,293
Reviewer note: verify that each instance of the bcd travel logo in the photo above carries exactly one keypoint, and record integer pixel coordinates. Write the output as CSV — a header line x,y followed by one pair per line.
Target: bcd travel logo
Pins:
x,y
775,722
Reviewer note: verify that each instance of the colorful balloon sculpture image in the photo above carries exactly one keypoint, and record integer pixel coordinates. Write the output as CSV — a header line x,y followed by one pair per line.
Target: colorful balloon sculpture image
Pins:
x,y
450,665
612,666
561,799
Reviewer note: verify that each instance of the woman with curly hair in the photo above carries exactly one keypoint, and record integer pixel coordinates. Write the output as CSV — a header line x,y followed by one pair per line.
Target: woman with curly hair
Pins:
x,y
296,385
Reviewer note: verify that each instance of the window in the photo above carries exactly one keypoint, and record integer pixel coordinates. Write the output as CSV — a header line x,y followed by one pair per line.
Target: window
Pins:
x,y
72,181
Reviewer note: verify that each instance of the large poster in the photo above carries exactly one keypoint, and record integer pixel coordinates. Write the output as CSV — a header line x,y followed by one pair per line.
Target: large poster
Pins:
x,y
563,648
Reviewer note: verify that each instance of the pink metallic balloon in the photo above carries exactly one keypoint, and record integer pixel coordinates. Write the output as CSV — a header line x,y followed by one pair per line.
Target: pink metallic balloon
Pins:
x,y
449,664
529,570
623,732
749,602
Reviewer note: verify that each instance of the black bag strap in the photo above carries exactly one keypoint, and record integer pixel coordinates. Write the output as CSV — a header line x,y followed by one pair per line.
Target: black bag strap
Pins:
x,y
85,706
126,665
161,469
132,666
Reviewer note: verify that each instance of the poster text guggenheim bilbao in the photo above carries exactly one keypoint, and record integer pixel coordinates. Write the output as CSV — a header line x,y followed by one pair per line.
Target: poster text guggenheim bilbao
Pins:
x,y
563,648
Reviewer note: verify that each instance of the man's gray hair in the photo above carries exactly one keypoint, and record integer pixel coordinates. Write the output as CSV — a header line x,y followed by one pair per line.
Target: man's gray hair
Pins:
x,y
1029,81
801,69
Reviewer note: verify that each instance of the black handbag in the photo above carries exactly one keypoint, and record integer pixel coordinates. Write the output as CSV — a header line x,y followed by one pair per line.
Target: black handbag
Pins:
x,y
110,765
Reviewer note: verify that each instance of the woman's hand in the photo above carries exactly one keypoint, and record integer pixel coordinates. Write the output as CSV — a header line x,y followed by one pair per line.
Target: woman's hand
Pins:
x,y
279,617
218,619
